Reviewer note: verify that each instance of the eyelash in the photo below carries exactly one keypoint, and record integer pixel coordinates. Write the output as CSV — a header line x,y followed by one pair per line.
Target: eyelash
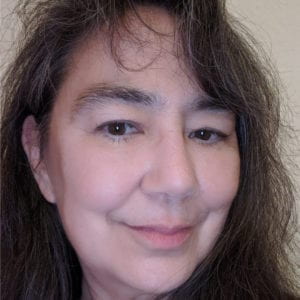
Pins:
x,y
104,129
214,136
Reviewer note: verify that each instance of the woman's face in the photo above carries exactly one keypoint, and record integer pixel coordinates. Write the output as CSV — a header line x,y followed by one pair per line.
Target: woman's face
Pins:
x,y
142,169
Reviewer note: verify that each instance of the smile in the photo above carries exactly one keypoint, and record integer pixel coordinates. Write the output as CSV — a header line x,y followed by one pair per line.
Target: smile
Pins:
x,y
162,237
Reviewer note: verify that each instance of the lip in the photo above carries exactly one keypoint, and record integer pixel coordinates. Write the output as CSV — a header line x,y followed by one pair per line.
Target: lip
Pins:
x,y
162,236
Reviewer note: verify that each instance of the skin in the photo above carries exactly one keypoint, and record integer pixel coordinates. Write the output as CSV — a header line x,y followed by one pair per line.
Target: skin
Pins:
x,y
156,172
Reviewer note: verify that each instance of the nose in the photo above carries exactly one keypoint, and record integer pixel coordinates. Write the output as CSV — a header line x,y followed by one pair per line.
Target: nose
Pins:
x,y
171,171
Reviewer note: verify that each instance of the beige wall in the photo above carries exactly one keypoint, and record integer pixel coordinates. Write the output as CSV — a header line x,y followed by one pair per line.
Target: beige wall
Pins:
x,y
7,30
276,23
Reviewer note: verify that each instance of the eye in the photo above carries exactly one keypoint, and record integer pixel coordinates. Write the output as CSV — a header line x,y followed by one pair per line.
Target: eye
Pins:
x,y
208,136
117,130
203,134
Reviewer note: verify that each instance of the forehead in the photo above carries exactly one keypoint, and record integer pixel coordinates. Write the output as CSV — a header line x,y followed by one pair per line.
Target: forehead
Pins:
x,y
140,43
147,65
145,54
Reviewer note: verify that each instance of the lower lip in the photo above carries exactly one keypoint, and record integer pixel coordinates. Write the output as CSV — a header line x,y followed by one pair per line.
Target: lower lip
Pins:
x,y
161,240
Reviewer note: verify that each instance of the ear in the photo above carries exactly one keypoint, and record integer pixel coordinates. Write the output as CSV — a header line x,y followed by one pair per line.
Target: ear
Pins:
x,y
31,145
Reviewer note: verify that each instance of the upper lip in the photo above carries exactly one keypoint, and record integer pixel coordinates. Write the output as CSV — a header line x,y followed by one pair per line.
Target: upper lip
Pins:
x,y
164,229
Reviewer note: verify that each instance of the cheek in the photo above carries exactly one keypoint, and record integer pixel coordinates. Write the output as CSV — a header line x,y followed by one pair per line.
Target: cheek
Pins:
x,y
219,179
91,179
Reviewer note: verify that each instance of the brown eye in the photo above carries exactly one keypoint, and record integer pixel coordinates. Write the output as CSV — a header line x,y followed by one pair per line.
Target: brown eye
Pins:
x,y
208,136
203,134
117,128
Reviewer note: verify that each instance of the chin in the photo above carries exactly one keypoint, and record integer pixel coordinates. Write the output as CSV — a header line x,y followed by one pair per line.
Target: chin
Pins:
x,y
157,283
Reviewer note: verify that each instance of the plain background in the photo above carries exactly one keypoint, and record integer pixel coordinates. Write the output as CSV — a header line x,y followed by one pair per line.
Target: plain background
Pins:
x,y
274,23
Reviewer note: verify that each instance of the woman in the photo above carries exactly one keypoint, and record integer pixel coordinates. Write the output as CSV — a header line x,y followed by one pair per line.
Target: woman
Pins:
x,y
140,157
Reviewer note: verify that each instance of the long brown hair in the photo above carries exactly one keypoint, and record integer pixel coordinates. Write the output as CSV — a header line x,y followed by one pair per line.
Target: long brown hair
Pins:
x,y
251,257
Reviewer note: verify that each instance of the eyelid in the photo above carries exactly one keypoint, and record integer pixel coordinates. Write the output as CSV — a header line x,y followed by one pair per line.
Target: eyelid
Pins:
x,y
131,123
103,130
218,135
211,129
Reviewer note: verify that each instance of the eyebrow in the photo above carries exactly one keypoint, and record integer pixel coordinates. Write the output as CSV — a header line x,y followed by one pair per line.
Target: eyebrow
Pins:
x,y
102,95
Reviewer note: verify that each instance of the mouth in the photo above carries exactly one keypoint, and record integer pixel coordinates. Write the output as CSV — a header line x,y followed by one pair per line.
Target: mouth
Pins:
x,y
161,236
